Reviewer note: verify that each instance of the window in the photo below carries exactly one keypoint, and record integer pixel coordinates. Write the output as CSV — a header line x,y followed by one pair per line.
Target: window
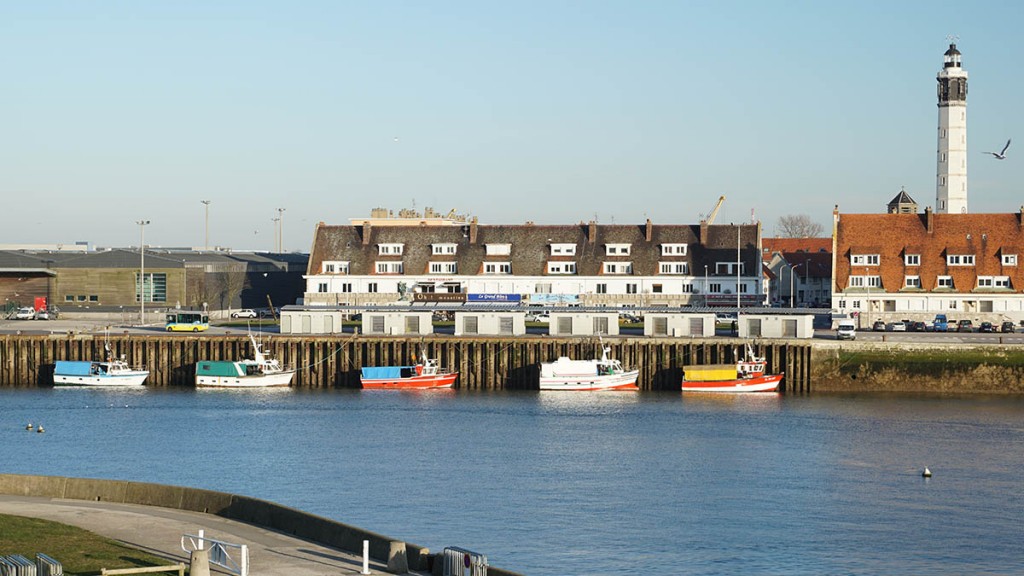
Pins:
x,y
346,287
1001,281
687,288
656,288
630,288
912,259
912,282
563,249
81,297
674,267
94,298
842,304
441,249
1009,259
864,259
390,249
334,267
862,281
542,288
616,249
727,268
153,286
673,249
960,259
944,282
321,287
69,298
389,267
371,287
498,249
715,288
618,268
742,289
561,267
497,268
984,281
443,267
601,289
856,281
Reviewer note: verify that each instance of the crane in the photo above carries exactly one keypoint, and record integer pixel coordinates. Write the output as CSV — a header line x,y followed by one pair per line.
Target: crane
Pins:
x,y
714,211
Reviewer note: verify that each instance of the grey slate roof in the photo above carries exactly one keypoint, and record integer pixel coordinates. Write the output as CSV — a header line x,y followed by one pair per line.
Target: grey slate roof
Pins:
x,y
530,246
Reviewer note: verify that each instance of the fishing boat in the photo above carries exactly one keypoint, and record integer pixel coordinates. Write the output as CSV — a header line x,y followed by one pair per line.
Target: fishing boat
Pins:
x,y
426,373
582,375
260,371
746,375
111,372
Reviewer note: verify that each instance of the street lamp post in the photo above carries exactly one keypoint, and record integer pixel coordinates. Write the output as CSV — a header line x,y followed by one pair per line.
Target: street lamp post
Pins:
x,y
867,282
277,246
207,243
792,271
142,270
706,288
280,230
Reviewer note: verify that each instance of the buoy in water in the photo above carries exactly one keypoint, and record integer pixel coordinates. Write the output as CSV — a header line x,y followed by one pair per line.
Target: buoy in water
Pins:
x,y
40,429
29,427
927,473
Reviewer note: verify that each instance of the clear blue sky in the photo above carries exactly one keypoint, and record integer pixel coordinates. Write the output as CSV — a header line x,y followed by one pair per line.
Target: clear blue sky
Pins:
x,y
550,111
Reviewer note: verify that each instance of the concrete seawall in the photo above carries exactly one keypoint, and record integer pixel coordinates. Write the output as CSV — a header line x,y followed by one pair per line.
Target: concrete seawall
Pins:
x,y
241,508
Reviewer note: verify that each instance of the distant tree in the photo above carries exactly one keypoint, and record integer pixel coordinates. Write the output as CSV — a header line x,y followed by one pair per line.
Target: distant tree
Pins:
x,y
798,226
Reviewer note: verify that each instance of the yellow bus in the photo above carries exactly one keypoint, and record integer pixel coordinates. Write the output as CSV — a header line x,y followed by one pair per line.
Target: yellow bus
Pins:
x,y
187,322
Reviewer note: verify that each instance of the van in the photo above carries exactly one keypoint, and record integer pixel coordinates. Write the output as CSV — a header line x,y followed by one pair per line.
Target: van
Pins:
x,y
846,330
940,324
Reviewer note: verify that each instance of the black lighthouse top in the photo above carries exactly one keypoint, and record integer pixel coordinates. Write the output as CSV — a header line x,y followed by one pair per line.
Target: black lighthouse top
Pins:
x,y
952,57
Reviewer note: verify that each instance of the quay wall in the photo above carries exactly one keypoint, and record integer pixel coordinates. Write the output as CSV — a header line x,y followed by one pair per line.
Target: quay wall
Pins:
x,y
254,511
917,368
491,363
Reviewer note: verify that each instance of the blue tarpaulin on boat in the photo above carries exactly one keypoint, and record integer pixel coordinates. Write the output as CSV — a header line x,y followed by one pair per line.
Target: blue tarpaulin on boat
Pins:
x,y
376,372
72,368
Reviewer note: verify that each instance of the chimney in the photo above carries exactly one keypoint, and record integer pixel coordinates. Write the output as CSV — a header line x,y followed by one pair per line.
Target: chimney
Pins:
x,y
472,231
649,233
704,232
929,219
366,232
592,232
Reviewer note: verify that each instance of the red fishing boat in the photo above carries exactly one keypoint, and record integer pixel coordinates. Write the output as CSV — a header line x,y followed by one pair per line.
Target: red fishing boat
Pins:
x,y
746,375
423,374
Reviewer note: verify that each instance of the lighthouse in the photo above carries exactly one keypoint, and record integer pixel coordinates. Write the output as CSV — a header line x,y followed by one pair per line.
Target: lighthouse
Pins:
x,y
951,172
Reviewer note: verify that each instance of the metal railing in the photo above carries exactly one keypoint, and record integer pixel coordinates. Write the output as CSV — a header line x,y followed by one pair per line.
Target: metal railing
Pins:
x,y
461,562
16,565
46,566
232,557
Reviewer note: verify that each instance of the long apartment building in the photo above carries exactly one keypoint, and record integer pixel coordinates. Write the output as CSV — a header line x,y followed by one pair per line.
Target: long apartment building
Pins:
x,y
380,261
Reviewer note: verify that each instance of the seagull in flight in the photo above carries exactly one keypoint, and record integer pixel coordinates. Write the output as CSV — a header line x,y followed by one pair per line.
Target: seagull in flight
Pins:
x,y
1001,155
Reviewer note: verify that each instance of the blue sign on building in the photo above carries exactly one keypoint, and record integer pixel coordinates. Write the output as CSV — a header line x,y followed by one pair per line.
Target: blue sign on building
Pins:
x,y
494,297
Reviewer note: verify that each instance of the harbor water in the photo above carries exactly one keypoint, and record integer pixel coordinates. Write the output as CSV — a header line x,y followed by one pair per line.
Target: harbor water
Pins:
x,y
579,483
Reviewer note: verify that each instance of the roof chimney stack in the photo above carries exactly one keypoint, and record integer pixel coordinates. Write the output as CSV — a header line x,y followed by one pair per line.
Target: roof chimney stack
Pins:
x,y
649,232
592,231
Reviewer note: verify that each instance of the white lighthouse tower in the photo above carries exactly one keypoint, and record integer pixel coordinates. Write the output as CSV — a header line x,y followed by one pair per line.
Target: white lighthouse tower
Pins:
x,y
951,174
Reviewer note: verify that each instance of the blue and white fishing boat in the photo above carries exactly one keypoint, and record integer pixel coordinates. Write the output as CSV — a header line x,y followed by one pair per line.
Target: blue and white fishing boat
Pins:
x,y
112,372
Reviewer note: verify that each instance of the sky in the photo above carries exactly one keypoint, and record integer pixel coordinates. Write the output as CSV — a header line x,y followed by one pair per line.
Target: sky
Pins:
x,y
555,112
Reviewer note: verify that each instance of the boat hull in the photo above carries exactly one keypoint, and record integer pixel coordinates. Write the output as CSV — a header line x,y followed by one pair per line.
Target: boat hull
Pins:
x,y
411,382
260,381
591,382
129,379
769,383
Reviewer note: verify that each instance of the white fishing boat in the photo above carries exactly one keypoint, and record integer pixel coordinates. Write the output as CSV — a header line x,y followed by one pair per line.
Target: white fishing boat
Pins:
x,y
582,375
260,371
107,372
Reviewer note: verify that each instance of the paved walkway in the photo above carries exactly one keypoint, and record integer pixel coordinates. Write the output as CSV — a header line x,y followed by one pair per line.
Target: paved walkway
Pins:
x,y
159,531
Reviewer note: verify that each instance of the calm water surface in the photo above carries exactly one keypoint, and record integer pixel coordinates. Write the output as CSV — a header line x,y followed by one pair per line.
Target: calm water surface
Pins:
x,y
569,483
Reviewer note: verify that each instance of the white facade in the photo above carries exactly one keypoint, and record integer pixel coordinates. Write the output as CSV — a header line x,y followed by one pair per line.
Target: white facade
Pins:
x,y
771,326
584,324
398,323
670,324
490,323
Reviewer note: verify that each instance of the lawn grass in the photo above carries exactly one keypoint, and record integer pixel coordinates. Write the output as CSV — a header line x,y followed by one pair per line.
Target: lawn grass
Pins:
x,y
80,552
932,362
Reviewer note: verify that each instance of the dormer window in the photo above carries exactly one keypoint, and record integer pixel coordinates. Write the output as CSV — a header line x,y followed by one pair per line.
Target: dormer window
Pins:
x,y
389,267
864,259
443,249
616,249
960,259
498,249
563,249
912,259
334,267
497,267
390,249
1009,259
561,267
679,268
618,267
443,267
675,249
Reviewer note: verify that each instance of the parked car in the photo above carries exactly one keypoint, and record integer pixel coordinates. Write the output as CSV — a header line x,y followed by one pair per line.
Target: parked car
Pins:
x,y
268,313
44,314
965,326
1007,327
986,327
244,313
898,327
878,326
846,330
27,313
918,327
